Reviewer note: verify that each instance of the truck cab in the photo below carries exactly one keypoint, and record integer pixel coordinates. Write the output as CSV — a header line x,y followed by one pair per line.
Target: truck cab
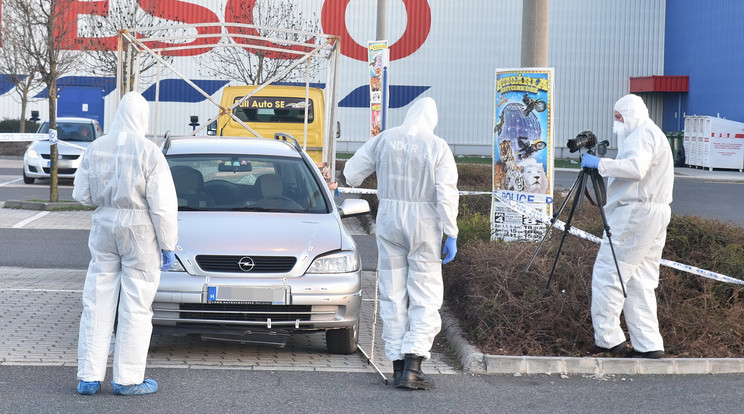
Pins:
x,y
277,108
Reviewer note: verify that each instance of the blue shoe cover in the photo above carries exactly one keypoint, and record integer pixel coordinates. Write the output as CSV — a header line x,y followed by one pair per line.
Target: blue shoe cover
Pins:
x,y
149,386
88,387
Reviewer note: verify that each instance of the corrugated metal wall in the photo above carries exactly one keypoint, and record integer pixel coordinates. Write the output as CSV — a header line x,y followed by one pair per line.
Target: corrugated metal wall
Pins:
x,y
595,46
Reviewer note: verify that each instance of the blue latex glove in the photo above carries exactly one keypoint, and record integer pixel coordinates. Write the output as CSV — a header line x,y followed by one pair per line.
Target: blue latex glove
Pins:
x,y
450,249
168,259
589,161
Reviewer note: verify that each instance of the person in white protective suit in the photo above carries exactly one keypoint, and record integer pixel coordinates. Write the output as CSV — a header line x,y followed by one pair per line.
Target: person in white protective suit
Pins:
x,y
641,179
418,202
127,177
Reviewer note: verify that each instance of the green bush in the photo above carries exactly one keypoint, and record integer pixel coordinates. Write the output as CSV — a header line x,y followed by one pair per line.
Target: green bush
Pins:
x,y
14,125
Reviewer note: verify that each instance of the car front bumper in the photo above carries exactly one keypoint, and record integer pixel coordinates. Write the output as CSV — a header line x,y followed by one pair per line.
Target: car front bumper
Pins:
x,y
39,168
309,302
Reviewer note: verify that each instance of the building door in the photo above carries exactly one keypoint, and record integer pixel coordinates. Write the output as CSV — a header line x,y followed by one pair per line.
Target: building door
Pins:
x,y
81,100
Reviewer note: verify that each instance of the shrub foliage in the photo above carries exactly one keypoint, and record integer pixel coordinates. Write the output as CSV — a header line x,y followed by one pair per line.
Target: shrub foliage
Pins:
x,y
506,310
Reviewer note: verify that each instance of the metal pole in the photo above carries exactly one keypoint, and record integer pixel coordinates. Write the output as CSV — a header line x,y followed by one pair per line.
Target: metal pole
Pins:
x,y
535,19
381,19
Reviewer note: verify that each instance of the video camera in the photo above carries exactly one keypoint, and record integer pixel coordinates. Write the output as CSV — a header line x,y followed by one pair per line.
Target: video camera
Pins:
x,y
587,140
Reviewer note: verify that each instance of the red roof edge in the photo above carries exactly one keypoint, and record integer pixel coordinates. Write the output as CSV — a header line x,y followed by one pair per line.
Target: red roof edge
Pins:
x,y
659,84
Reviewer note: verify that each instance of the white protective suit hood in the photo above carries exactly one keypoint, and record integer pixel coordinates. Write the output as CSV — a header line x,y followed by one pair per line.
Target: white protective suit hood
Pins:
x,y
633,110
422,116
132,116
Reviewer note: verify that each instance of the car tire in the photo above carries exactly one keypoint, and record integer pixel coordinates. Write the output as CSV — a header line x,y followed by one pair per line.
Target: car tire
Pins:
x,y
27,180
342,341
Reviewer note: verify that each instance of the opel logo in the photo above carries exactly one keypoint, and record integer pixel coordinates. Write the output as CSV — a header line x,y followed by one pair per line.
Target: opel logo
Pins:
x,y
246,264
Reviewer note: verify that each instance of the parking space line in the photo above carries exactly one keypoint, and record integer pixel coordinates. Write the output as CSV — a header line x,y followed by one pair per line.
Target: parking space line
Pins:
x,y
41,290
22,223
10,182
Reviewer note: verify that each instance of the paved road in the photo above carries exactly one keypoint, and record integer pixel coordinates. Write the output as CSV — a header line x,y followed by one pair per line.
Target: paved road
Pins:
x,y
49,390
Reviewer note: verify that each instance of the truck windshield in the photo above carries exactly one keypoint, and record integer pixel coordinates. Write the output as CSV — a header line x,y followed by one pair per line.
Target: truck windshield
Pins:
x,y
274,110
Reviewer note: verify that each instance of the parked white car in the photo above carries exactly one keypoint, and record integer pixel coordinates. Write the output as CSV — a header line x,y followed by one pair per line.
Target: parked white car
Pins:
x,y
262,251
78,132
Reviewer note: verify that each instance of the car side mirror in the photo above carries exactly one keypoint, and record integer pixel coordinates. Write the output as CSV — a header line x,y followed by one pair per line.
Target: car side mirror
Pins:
x,y
353,207
212,128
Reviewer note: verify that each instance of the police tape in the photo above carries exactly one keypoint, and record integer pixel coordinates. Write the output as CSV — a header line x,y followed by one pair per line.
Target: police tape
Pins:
x,y
18,137
509,195
560,225
13,137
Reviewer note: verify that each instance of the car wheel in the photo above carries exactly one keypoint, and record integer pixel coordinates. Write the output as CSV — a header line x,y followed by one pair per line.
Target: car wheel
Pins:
x,y
342,341
28,180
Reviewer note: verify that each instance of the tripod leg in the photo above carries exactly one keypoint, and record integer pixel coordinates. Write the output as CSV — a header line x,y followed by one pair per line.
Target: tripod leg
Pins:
x,y
600,203
567,228
579,179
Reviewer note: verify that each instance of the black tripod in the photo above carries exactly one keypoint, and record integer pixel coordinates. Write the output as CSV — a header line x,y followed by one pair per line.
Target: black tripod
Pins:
x,y
599,193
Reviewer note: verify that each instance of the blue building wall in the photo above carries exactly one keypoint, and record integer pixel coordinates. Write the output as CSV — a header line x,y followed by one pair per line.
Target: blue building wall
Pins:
x,y
704,40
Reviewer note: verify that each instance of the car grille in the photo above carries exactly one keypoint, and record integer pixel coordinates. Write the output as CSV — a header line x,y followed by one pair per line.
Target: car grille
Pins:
x,y
245,312
61,171
262,264
62,156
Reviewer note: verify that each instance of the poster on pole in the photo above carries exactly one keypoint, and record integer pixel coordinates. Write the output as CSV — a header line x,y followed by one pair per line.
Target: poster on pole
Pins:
x,y
379,58
522,151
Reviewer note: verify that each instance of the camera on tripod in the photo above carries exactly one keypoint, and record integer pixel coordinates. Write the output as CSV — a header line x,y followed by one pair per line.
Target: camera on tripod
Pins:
x,y
587,140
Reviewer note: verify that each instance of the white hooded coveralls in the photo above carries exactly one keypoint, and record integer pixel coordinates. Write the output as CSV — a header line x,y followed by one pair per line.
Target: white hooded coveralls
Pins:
x,y
638,196
127,177
418,199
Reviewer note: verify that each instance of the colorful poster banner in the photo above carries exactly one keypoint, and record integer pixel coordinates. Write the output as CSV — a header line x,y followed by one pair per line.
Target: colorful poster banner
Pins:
x,y
379,59
523,150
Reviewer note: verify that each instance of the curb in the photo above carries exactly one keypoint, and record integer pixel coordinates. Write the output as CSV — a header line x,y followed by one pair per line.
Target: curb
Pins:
x,y
475,362
45,205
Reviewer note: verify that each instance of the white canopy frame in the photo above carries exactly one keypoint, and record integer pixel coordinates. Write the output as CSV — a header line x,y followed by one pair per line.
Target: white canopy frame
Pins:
x,y
132,45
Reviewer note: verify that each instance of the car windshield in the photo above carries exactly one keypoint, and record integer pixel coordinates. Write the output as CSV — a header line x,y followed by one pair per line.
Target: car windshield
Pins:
x,y
71,131
246,183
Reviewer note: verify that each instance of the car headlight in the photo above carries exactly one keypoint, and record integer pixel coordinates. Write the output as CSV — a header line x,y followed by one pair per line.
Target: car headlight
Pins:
x,y
342,262
176,266
31,153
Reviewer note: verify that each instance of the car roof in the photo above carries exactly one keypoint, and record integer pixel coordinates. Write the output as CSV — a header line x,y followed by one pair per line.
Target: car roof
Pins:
x,y
75,120
231,145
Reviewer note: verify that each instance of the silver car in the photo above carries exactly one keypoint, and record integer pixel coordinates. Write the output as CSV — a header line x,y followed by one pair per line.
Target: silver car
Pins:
x,y
262,250
74,134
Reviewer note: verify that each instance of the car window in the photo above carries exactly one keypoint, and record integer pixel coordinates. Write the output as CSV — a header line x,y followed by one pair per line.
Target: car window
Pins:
x,y
246,183
71,131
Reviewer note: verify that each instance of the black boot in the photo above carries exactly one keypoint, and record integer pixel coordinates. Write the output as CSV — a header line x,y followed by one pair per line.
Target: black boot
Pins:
x,y
412,377
398,365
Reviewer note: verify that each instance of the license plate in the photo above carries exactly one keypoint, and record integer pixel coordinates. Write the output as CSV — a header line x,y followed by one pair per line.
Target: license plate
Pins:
x,y
49,164
274,295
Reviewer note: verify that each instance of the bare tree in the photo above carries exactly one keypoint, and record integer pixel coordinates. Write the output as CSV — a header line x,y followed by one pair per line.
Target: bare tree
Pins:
x,y
47,48
20,70
101,59
253,66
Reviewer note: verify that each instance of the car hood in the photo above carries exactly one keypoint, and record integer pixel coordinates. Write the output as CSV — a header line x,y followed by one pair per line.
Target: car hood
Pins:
x,y
304,236
42,147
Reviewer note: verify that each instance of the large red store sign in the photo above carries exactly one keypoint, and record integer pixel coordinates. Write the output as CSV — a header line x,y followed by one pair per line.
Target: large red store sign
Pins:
x,y
333,18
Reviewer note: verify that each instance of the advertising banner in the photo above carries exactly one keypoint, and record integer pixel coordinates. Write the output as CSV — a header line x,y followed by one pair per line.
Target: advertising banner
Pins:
x,y
522,150
379,58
